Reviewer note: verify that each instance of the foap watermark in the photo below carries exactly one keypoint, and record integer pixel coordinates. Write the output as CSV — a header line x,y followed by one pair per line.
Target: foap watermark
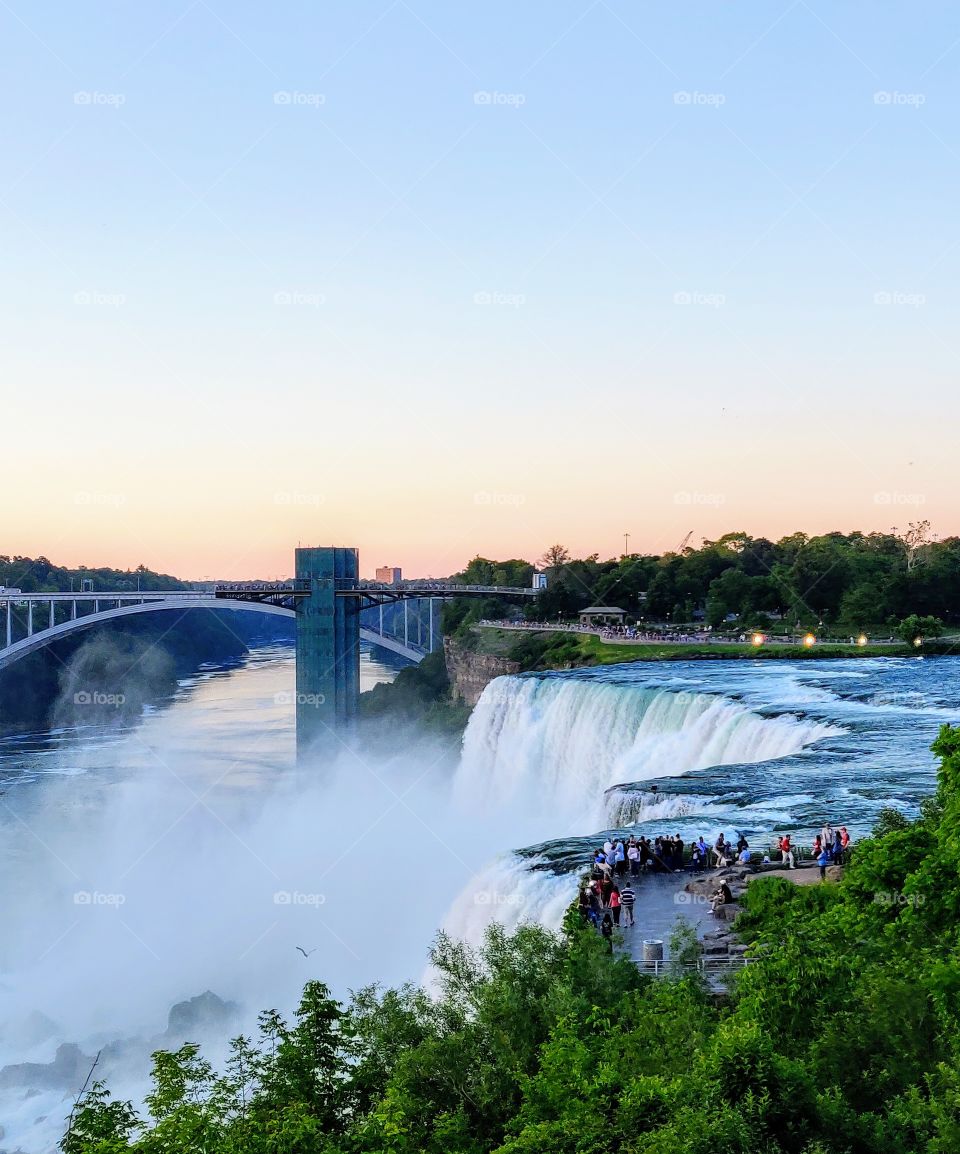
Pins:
x,y
510,300
909,300
313,700
294,497
901,700
689,498
96,898
98,698
893,497
88,297
99,99
501,499
111,500
505,99
298,297
495,898
297,898
300,99
702,99
707,300
899,99
896,898
686,899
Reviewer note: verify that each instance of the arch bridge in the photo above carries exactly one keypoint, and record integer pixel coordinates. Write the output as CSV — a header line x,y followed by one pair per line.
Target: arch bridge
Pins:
x,y
333,609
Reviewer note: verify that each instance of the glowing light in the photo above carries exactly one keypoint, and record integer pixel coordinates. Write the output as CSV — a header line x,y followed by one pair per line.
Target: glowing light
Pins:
x,y
917,641
758,639
809,640
862,639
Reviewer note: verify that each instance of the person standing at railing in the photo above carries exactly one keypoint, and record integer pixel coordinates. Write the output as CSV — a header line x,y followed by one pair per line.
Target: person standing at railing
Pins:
x,y
786,851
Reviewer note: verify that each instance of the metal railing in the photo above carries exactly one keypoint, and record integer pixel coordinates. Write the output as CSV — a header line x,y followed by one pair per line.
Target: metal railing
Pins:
x,y
706,967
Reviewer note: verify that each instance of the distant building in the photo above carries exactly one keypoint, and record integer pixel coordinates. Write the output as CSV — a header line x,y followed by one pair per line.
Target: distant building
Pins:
x,y
602,615
539,581
387,575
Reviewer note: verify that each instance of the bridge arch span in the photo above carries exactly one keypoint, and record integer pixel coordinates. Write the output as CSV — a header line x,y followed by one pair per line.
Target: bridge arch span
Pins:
x,y
392,644
44,637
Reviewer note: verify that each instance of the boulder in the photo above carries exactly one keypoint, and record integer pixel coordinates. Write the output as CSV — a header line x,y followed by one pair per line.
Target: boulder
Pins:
x,y
729,912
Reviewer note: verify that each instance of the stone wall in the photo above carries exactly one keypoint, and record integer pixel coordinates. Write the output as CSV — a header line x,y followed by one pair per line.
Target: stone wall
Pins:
x,y
471,672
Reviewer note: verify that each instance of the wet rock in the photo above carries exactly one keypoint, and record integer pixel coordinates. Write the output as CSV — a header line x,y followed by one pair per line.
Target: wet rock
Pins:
x,y
728,912
715,948
202,1014
67,1071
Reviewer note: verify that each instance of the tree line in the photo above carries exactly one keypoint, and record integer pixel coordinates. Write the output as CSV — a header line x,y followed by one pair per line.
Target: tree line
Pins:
x,y
850,581
40,575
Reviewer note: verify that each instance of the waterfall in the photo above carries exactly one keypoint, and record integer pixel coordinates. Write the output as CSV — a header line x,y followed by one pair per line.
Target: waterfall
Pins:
x,y
559,743
510,890
560,746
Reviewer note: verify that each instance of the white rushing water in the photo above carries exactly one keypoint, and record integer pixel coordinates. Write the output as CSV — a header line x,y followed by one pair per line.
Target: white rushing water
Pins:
x,y
561,742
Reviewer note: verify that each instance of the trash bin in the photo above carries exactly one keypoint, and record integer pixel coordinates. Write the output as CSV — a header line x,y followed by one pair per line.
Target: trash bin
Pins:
x,y
653,950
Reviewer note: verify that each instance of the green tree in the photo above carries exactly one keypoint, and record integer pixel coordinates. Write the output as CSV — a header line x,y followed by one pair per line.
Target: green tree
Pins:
x,y
914,629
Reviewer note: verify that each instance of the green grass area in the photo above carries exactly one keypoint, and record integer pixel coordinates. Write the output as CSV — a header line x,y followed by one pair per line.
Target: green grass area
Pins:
x,y
498,642
599,652
588,649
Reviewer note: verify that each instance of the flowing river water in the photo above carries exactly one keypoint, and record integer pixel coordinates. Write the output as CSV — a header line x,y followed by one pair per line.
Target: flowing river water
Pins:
x,y
145,864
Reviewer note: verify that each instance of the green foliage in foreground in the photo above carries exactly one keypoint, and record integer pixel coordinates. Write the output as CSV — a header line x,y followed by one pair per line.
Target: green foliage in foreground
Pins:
x,y
842,1037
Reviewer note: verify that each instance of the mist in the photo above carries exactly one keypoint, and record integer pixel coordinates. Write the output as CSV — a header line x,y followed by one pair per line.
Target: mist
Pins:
x,y
188,853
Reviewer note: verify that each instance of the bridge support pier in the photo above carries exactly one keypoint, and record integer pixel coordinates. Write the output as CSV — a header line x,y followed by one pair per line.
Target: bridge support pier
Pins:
x,y
328,647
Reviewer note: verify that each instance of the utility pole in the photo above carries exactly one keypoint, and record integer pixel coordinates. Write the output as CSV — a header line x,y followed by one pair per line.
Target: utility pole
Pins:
x,y
626,544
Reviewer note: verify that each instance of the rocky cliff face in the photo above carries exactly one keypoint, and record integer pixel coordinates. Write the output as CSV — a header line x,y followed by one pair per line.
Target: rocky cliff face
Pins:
x,y
471,672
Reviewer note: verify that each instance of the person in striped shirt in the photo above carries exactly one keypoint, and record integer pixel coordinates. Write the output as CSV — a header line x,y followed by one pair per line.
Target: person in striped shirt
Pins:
x,y
627,898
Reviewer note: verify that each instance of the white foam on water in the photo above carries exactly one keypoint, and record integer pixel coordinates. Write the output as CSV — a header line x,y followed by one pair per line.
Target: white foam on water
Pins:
x,y
560,743
510,890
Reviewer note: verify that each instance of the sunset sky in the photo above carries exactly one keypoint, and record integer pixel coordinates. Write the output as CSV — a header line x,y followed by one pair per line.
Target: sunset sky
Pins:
x,y
440,279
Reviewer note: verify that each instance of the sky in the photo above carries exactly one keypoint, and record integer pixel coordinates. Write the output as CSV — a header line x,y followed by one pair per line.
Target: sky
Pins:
x,y
438,279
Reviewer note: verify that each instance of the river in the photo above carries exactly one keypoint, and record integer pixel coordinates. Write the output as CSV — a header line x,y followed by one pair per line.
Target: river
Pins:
x,y
146,864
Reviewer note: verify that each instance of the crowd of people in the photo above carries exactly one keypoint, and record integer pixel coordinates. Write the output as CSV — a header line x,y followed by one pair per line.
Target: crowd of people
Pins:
x,y
609,895
607,632
830,847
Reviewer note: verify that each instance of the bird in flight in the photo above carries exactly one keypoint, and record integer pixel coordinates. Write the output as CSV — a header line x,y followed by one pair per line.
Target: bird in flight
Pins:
x,y
305,953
